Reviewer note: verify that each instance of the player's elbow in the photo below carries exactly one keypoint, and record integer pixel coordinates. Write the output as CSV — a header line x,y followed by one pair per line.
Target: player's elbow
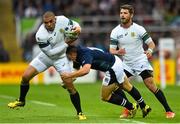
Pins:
x,y
86,69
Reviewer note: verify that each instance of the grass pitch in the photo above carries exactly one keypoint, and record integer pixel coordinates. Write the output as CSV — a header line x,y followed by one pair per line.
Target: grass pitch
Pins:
x,y
51,104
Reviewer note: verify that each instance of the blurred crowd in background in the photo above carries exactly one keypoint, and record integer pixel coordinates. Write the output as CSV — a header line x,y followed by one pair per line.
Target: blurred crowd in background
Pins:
x,y
166,12
167,9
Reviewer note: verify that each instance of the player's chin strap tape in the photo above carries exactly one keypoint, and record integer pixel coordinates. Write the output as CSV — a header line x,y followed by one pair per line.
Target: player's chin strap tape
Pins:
x,y
42,45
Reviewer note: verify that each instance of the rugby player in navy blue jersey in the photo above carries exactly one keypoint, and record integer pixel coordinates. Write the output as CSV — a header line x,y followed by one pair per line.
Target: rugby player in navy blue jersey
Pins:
x,y
94,58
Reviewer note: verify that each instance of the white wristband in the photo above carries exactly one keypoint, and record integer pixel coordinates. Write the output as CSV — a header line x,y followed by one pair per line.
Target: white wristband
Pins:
x,y
150,50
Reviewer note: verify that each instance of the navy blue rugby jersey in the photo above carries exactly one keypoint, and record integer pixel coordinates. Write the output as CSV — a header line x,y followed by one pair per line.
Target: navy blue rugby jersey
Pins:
x,y
98,59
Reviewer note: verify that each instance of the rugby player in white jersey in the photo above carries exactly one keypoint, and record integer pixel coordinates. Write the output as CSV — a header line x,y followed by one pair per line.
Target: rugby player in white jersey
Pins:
x,y
127,41
52,40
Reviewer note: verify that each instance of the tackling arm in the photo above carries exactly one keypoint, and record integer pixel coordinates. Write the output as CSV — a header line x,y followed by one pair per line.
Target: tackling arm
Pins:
x,y
117,52
81,72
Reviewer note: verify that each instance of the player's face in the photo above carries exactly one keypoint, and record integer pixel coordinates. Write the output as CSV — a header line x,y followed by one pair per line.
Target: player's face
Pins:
x,y
125,16
72,56
49,23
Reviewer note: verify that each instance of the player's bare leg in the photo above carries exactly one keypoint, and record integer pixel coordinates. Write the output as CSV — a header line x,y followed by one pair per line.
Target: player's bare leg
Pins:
x,y
137,96
29,73
108,96
74,96
149,82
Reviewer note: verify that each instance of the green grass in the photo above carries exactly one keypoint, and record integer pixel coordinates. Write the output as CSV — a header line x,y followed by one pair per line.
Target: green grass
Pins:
x,y
95,110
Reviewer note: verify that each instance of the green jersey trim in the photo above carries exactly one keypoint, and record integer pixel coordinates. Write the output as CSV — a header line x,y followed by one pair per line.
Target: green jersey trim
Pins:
x,y
113,41
145,36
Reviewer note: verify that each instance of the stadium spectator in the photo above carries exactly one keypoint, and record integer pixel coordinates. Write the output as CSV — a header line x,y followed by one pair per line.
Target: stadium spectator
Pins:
x,y
4,55
94,58
155,13
129,37
31,10
48,6
52,39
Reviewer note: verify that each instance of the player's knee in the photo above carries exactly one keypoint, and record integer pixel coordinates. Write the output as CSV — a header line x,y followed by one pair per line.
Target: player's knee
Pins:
x,y
71,90
25,79
105,99
151,85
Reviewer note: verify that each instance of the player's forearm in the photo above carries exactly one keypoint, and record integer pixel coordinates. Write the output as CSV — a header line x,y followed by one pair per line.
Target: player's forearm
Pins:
x,y
113,51
81,72
151,46
50,52
78,73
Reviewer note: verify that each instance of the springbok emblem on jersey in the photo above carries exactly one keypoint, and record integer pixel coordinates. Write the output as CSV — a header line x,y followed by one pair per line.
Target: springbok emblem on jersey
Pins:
x,y
62,30
132,34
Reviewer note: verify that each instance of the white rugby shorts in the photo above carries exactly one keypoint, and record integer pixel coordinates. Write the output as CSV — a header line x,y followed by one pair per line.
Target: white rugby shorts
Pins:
x,y
118,71
137,67
42,62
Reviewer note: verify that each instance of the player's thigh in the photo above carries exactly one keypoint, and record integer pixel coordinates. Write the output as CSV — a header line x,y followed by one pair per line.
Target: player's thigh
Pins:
x,y
106,91
128,71
139,67
117,72
29,73
63,65
41,62
127,86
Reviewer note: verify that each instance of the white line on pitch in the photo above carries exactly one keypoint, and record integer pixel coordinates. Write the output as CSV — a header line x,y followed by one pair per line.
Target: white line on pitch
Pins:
x,y
32,101
42,103
133,121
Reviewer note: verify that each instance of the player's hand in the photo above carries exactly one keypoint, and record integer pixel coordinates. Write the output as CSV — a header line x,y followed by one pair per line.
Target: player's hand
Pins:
x,y
70,41
121,51
148,54
76,29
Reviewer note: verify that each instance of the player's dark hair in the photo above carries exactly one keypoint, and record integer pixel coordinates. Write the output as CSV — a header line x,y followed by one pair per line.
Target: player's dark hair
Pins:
x,y
71,49
128,7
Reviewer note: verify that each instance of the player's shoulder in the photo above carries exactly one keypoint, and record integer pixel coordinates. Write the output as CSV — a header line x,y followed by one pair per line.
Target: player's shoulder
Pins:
x,y
82,49
41,34
61,18
137,26
116,29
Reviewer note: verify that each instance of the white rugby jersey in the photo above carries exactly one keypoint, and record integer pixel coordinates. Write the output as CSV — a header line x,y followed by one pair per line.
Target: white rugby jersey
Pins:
x,y
52,43
131,39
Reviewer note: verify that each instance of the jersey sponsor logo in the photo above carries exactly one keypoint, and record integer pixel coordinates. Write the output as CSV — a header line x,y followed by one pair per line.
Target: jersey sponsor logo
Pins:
x,y
120,36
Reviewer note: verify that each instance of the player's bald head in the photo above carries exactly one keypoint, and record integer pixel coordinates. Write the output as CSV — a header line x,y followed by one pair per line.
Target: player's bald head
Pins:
x,y
49,20
48,14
